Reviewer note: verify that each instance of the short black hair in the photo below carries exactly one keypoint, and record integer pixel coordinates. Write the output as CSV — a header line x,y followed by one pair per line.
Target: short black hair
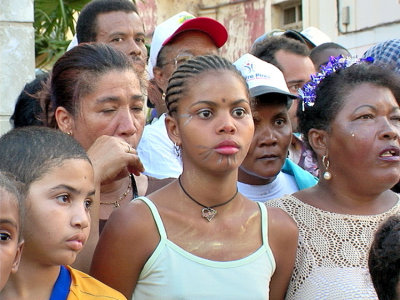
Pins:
x,y
332,90
86,26
324,46
384,259
30,152
27,111
267,48
321,54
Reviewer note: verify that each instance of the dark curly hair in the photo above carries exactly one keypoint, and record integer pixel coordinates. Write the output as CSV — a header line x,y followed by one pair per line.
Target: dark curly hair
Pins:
x,y
266,49
86,26
333,89
27,109
178,83
384,259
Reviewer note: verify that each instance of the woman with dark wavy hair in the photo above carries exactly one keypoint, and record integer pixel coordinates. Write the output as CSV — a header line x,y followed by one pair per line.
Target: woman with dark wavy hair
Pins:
x,y
350,116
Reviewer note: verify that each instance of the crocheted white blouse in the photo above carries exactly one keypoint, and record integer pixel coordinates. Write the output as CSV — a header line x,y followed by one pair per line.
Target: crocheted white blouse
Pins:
x,y
332,254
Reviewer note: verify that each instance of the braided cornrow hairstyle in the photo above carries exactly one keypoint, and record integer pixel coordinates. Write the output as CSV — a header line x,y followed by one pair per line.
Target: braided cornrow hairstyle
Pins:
x,y
178,84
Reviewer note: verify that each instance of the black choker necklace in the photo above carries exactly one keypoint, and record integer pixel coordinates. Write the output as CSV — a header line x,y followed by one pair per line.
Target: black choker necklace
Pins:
x,y
208,212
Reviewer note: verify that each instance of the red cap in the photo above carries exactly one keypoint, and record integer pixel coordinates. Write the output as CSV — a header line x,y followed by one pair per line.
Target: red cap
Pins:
x,y
211,27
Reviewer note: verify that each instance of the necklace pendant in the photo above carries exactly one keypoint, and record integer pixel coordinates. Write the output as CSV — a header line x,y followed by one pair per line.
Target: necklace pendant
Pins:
x,y
116,204
208,213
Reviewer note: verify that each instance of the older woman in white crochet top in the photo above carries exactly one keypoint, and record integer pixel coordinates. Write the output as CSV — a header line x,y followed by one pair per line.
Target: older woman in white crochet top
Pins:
x,y
351,118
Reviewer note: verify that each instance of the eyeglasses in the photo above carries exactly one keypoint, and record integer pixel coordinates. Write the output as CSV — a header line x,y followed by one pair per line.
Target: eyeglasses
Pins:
x,y
179,59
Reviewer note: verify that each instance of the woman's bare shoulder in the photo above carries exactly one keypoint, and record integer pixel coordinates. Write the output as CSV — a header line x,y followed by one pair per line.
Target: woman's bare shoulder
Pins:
x,y
281,223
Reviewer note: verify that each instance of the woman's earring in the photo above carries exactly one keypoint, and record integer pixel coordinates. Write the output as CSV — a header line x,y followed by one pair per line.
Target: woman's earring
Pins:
x,y
177,150
325,161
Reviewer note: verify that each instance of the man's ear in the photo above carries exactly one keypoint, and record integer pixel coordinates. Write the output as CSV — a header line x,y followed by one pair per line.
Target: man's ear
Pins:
x,y
160,78
64,119
173,131
17,257
318,140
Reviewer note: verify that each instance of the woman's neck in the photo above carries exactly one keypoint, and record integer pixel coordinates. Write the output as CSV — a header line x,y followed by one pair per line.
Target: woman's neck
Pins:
x,y
32,278
246,178
329,197
210,190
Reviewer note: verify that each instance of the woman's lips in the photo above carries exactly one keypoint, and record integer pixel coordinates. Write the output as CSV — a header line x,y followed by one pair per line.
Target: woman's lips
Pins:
x,y
227,148
390,154
76,242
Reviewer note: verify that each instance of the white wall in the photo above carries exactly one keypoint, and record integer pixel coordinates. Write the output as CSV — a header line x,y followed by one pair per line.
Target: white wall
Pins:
x,y
370,21
17,54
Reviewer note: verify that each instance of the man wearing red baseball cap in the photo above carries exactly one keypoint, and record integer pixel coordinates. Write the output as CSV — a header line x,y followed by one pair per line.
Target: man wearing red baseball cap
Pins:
x,y
174,41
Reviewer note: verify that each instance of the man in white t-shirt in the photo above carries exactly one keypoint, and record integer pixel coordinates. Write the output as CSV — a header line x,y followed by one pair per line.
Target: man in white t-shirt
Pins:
x,y
266,173
176,40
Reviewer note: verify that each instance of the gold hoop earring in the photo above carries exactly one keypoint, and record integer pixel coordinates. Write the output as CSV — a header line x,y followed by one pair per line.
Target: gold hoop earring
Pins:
x,y
325,161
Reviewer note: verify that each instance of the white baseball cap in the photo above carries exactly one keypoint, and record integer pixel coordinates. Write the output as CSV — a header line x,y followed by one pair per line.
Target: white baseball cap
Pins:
x,y
262,77
315,36
181,22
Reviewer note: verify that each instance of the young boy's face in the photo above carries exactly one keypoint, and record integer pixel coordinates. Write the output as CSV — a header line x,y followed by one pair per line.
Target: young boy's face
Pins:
x,y
57,213
270,144
10,247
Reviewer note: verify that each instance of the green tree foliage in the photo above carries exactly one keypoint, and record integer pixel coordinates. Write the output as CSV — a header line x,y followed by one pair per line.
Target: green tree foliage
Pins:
x,y
54,24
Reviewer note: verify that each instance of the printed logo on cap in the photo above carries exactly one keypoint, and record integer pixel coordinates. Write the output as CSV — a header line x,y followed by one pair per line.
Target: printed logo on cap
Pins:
x,y
184,18
250,74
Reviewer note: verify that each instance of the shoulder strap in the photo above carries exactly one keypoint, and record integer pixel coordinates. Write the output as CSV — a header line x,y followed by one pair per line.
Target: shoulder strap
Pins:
x,y
134,186
156,216
264,222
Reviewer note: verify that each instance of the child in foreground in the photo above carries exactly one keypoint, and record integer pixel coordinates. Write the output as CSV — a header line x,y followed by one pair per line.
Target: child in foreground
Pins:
x,y
11,242
59,193
384,260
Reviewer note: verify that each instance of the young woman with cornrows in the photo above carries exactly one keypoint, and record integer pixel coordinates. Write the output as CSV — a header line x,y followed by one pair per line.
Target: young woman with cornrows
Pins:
x,y
198,238
350,116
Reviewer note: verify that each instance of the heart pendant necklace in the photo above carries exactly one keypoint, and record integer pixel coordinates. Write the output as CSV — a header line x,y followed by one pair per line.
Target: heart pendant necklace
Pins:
x,y
208,212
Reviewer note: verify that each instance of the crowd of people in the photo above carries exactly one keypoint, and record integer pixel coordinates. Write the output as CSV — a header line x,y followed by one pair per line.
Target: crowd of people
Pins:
x,y
178,174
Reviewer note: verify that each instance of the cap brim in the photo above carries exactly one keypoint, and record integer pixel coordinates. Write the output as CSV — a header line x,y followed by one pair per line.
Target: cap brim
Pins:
x,y
215,30
261,90
298,36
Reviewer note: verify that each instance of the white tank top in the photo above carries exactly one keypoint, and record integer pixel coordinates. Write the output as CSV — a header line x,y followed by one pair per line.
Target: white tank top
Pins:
x,y
173,273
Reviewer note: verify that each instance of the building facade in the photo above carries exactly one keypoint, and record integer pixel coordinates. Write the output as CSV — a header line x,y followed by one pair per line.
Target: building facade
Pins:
x,y
355,24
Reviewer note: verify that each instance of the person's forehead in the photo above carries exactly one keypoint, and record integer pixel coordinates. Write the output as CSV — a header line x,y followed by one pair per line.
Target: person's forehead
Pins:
x,y
286,57
115,21
194,42
8,204
294,63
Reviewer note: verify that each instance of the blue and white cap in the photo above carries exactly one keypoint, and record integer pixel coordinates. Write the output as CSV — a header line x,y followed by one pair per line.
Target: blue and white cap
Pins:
x,y
262,77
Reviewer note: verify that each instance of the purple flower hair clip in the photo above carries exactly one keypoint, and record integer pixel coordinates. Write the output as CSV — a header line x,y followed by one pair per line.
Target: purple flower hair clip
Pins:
x,y
308,92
